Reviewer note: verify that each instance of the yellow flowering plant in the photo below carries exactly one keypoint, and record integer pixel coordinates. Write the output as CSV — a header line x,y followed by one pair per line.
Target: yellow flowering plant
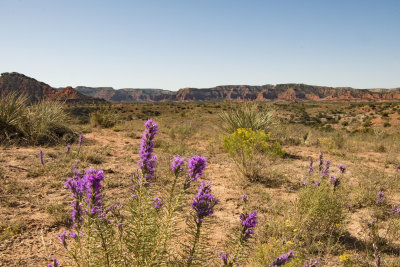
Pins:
x,y
248,149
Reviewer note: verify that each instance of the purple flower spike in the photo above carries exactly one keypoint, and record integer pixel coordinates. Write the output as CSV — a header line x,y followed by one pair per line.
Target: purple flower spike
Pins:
x,y
62,238
248,222
41,157
196,166
80,140
224,258
147,162
284,258
380,198
55,263
68,149
325,168
93,179
73,234
177,164
204,202
316,184
310,168
158,202
245,197
311,263
396,165
335,181
342,168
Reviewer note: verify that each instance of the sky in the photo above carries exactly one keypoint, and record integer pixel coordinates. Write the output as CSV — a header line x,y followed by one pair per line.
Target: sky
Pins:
x,y
173,44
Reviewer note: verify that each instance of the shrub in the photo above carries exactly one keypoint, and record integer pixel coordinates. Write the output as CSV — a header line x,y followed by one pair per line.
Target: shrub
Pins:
x,y
47,123
248,149
246,116
12,109
367,123
41,123
321,211
103,117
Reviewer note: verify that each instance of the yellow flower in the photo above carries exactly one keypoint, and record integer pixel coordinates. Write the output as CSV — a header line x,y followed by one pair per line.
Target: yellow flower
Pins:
x,y
319,242
290,242
346,258
295,230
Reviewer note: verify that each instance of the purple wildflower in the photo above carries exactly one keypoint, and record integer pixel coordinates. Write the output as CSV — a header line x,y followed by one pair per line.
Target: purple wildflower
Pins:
x,y
55,263
342,168
73,234
305,183
68,149
380,198
310,168
311,263
147,162
41,157
396,209
62,238
177,164
80,140
224,258
93,179
204,202
248,222
335,181
396,165
321,160
245,197
158,202
284,258
316,184
196,166
325,168
76,186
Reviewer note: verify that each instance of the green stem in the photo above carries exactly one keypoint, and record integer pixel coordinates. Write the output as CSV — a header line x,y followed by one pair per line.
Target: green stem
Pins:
x,y
104,245
171,210
196,241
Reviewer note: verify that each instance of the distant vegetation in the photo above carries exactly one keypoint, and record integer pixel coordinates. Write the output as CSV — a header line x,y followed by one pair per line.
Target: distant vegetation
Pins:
x,y
44,122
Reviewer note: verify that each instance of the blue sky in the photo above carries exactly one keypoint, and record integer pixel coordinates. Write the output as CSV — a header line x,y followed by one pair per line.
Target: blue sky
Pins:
x,y
174,44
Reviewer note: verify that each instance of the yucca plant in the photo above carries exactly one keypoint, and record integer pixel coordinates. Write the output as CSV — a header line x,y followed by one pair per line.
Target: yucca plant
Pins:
x,y
12,108
46,122
246,116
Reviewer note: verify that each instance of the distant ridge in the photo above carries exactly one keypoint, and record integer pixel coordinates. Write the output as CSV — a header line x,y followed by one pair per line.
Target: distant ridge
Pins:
x,y
292,92
35,90
243,93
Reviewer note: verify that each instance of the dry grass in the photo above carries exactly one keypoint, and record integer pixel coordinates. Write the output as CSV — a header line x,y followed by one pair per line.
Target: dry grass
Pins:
x,y
34,204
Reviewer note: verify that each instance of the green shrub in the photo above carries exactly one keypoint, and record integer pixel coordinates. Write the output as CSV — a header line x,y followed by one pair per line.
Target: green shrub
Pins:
x,y
12,109
386,124
103,117
41,123
321,212
367,123
248,149
47,123
246,116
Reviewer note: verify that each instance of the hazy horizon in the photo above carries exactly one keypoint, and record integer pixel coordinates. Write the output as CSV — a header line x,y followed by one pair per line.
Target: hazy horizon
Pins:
x,y
179,44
